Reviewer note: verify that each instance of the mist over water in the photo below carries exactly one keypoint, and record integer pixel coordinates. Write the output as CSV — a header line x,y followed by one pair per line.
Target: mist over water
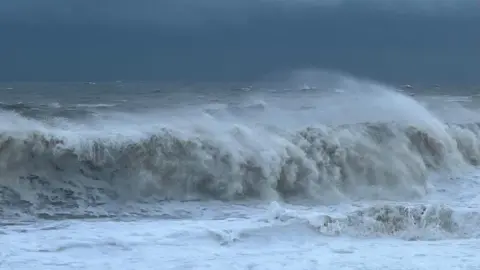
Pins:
x,y
425,42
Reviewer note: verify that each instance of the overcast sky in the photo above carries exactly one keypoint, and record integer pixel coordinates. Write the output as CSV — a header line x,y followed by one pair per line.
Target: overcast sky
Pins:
x,y
388,40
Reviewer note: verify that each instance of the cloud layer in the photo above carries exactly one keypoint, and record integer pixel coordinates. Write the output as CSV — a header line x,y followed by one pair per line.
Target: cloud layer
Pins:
x,y
391,40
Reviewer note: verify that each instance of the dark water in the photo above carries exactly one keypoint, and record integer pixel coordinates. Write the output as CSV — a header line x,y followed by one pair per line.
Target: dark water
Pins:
x,y
426,42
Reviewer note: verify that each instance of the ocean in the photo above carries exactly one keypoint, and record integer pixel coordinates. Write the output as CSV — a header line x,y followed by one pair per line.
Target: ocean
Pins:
x,y
256,134
317,171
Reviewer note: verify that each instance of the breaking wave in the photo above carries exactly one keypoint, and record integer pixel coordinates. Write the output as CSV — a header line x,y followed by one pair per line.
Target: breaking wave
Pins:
x,y
80,166
411,222
415,222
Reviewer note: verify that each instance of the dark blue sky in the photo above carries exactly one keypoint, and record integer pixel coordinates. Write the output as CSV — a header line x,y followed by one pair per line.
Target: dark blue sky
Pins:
x,y
393,41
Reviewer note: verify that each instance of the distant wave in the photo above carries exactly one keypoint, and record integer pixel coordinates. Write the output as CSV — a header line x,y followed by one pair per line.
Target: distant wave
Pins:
x,y
101,105
52,110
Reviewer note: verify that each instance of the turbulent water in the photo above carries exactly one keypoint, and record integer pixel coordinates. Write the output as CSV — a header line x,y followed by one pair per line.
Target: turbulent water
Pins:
x,y
179,166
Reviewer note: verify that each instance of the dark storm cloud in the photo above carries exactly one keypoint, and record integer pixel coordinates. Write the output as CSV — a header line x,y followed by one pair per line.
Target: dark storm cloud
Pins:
x,y
184,12
391,40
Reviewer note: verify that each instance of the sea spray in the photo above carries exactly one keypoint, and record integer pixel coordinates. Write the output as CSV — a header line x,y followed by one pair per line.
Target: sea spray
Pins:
x,y
366,142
